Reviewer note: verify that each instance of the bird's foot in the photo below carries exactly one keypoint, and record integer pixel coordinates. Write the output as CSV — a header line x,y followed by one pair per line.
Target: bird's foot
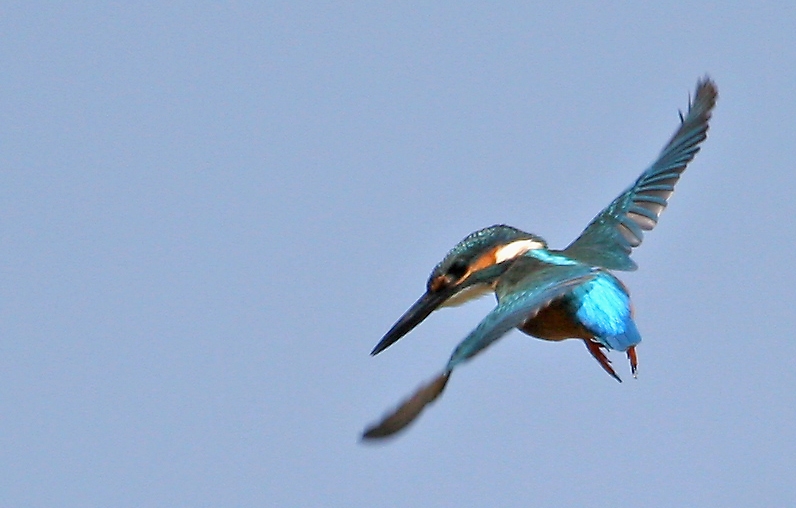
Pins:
x,y
631,355
596,351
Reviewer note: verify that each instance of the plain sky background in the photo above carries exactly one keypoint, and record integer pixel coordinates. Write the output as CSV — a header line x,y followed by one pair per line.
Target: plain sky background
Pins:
x,y
210,213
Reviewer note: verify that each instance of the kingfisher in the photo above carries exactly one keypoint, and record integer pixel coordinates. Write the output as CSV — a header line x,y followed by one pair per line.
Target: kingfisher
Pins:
x,y
553,294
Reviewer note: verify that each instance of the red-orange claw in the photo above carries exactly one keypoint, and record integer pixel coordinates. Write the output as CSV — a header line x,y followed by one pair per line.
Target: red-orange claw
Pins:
x,y
597,353
631,355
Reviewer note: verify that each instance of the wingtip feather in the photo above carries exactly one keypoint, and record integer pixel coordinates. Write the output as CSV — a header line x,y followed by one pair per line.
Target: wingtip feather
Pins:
x,y
408,410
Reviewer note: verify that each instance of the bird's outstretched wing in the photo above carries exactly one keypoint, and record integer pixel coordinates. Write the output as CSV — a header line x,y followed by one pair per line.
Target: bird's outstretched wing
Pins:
x,y
532,293
522,301
608,240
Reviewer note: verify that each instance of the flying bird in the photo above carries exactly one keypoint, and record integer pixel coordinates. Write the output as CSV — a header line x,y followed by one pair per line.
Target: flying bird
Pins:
x,y
553,294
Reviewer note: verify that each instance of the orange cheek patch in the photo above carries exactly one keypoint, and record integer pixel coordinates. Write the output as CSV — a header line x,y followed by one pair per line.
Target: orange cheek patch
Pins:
x,y
485,261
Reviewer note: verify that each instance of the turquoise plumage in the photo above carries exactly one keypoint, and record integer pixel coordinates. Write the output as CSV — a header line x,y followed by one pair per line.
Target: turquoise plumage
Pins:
x,y
549,294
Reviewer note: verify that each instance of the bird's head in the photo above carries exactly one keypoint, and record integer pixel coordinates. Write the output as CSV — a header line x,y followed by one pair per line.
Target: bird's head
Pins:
x,y
469,270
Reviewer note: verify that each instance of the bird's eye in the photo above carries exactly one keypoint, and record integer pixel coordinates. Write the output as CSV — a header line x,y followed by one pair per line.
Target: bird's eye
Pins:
x,y
457,269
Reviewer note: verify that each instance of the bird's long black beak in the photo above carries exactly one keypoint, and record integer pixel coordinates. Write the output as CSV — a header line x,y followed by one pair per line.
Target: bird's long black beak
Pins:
x,y
424,306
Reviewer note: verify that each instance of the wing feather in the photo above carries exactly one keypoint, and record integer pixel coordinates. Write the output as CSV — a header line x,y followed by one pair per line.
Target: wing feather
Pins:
x,y
525,300
609,239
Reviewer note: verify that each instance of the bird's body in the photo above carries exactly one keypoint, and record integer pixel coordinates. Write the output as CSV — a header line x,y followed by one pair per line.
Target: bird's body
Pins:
x,y
550,294
598,311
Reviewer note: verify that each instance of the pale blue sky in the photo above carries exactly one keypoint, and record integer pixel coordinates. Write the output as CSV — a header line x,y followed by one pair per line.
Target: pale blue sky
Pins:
x,y
211,213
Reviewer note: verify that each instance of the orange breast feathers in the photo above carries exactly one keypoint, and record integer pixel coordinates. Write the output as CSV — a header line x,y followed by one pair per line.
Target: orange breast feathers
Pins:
x,y
555,322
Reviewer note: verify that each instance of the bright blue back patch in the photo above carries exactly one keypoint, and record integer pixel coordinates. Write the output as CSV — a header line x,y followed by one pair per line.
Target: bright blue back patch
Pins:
x,y
603,307
546,256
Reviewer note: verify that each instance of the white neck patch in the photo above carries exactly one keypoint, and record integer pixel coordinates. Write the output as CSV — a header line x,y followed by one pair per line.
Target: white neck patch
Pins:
x,y
516,248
